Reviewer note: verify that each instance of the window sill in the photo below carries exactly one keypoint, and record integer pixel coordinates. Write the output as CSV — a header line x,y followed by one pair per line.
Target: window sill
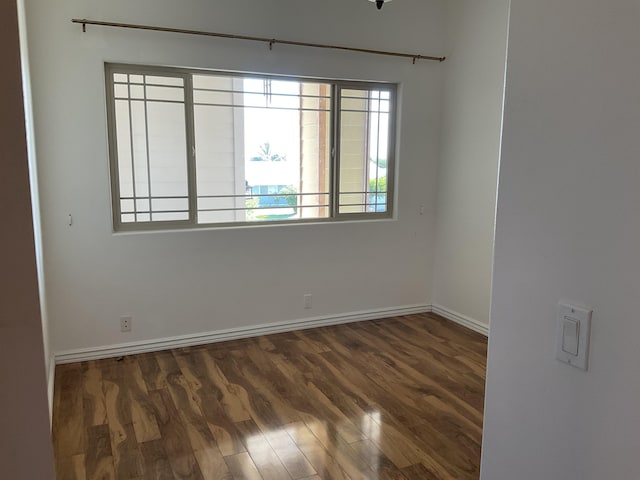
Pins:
x,y
211,228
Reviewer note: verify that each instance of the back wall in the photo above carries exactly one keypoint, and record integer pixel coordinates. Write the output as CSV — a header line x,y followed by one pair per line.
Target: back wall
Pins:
x,y
187,282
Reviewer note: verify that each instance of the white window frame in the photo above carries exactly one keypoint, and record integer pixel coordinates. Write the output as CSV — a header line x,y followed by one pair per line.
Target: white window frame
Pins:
x,y
192,221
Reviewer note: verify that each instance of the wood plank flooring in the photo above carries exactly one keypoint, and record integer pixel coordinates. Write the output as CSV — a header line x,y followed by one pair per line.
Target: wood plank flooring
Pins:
x,y
398,398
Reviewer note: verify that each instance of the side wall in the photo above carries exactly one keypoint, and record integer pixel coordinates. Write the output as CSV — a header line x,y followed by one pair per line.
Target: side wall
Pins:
x,y
35,199
181,283
471,127
568,228
25,447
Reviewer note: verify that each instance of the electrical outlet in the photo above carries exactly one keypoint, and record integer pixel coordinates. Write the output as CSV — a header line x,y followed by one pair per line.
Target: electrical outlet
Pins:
x,y
125,323
307,301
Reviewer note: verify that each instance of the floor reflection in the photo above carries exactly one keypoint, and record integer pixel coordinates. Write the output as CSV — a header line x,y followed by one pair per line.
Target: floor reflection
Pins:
x,y
317,448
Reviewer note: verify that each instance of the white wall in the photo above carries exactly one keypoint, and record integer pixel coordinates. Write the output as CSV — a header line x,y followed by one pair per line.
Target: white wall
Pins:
x,y
25,446
187,282
568,227
471,127
35,199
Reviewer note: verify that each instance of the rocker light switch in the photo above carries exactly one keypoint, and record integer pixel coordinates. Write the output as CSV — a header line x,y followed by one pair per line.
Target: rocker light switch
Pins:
x,y
570,332
574,326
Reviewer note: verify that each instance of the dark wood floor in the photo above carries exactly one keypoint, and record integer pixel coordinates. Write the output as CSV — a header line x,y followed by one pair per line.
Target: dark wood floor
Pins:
x,y
398,398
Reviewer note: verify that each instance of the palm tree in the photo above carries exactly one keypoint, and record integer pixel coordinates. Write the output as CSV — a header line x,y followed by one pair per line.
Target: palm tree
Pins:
x,y
265,155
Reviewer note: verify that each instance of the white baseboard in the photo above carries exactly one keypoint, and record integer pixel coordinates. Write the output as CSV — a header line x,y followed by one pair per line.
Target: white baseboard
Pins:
x,y
79,355
51,377
461,319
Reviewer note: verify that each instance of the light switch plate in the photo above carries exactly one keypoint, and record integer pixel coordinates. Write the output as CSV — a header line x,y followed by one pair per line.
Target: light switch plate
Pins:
x,y
574,329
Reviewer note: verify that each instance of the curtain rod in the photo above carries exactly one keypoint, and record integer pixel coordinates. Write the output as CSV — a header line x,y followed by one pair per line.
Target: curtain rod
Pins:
x,y
271,41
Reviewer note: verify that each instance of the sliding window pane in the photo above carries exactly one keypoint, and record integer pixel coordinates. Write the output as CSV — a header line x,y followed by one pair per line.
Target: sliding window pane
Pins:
x,y
151,142
364,151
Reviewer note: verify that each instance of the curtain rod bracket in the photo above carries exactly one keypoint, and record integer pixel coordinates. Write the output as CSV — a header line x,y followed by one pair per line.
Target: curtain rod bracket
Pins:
x,y
271,42
84,28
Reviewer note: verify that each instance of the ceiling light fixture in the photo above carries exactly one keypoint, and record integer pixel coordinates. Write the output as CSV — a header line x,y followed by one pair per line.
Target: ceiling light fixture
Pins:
x,y
379,3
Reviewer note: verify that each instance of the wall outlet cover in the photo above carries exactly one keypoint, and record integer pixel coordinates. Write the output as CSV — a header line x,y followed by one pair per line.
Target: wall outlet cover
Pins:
x,y
126,323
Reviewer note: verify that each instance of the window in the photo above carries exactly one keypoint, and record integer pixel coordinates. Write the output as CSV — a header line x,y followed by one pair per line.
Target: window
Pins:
x,y
195,148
